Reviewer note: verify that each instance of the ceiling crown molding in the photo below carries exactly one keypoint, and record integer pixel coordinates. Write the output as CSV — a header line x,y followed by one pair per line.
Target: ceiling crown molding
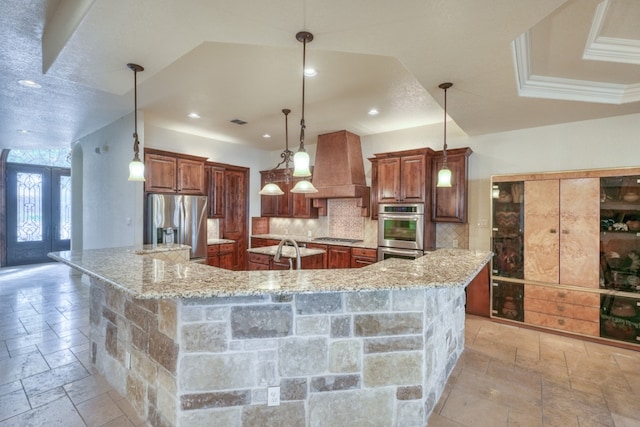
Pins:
x,y
548,87
609,49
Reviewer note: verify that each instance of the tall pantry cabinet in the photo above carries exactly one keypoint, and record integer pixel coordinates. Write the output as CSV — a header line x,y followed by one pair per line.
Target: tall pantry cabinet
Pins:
x,y
559,241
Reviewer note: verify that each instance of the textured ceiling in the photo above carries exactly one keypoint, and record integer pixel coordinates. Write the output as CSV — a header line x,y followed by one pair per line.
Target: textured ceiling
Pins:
x,y
239,59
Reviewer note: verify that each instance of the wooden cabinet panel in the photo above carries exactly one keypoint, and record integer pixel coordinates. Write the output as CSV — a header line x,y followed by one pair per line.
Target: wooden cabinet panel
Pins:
x,y
361,257
325,248
449,204
389,180
561,233
577,326
374,189
541,237
580,232
478,292
561,295
287,205
160,173
190,177
338,256
215,191
228,256
412,181
236,216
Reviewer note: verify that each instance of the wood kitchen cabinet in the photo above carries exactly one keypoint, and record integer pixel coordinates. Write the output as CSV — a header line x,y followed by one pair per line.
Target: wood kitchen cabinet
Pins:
x,y
167,172
361,257
235,223
215,190
566,258
402,179
260,242
222,255
266,262
478,294
338,256
449,204
287,205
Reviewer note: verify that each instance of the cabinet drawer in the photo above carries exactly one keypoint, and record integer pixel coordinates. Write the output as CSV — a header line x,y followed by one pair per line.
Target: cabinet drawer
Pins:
x,y
578,326
562,295
357,262
227,247
561,309
254,266
259,259
364,252
213,250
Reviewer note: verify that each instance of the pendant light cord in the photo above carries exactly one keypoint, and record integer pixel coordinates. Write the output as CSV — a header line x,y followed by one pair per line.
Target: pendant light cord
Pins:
x,y
304,62
445,86
136,143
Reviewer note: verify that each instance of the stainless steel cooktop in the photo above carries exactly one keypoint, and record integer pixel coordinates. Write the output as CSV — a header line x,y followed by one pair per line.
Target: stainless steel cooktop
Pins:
x,y
336,239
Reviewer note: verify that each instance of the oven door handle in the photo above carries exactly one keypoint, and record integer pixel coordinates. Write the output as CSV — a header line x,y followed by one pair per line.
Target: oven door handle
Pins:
x,y
401,217
399,251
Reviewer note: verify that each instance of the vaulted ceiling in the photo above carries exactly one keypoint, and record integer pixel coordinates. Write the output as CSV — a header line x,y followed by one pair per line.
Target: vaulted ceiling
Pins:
x,y
514,64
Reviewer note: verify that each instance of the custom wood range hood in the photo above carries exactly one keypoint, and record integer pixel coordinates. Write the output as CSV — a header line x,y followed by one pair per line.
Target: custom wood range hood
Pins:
x,y
338,172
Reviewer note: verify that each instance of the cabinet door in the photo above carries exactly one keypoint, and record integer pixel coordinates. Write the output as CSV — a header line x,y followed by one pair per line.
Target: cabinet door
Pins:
x,y
449,204
190,177
215,191
301,206
235,221
580,232
284,203
228,256
374,189
389,180
160,173
541,237
412,180
338,257
268,204
324,248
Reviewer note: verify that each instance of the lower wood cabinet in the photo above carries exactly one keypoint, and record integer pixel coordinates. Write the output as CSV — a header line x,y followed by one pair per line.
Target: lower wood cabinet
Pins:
x,y
261,242
569,310
222,255
338,256
478,294
266,262
361,257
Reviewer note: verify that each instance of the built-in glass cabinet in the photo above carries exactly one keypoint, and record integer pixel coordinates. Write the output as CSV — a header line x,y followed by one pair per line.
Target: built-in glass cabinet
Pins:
x,y
559,242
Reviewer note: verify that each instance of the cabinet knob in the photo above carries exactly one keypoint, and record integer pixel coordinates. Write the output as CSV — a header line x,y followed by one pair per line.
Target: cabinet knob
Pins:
x,y
553,231
565,231
561,308
560,321
562,294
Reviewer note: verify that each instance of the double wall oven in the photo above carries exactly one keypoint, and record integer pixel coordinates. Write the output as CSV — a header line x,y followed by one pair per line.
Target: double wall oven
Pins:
x,y
400,231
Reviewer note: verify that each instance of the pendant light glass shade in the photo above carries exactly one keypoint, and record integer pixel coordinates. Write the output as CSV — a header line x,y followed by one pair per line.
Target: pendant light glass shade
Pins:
x,y
301,164
444,174
305,187
271,189
136,166
444,177
136,170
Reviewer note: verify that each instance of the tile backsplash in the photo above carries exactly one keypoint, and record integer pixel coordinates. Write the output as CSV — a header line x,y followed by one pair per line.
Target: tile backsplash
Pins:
x,y
213,228
449,235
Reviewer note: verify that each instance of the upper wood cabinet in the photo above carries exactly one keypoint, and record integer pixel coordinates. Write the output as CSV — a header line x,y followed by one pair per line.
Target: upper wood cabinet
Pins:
x,y
215,190
167,172
287,205
449,204
400,177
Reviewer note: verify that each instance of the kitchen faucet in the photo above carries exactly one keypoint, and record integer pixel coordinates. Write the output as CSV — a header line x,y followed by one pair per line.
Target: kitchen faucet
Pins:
x,y
276,258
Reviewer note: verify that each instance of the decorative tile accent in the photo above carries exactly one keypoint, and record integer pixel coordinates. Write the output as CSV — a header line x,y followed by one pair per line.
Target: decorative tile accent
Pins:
x,y
446,234
344,219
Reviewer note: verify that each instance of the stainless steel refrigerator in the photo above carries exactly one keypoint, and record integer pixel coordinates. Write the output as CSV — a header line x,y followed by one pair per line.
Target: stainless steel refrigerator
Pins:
x,y
178,219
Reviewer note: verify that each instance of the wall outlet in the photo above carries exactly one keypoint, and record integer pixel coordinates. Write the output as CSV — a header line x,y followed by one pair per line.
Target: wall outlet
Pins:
x,y
127,360
483,223
455,243
273,396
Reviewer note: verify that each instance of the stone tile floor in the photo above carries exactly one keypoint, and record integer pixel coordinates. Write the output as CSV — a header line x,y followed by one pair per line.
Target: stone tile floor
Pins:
x,y
507,376
510,376
46,377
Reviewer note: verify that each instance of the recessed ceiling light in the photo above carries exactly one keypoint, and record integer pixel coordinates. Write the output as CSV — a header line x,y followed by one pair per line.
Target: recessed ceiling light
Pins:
x,y
29,83
373,112
310,72
266,135
194,115
23,131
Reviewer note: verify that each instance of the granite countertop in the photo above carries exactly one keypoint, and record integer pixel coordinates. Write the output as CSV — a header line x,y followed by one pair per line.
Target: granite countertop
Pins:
x,y
307,239
160,247
219,241
287,251
148,278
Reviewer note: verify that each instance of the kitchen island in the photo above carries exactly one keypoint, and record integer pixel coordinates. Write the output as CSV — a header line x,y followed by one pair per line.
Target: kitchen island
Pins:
x,y
192,345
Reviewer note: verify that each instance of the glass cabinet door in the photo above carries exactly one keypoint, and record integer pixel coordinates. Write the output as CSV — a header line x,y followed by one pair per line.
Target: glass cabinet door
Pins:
x,y
507,229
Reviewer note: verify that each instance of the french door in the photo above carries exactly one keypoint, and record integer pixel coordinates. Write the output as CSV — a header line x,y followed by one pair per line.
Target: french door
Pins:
x,y
38,212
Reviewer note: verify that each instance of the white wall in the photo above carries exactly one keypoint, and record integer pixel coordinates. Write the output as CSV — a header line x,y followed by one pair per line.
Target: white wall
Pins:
x,y
112,207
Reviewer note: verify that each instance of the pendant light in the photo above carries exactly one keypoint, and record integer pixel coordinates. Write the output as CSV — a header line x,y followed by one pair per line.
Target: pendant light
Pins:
x,y
271,188
444,175
136,166
301,158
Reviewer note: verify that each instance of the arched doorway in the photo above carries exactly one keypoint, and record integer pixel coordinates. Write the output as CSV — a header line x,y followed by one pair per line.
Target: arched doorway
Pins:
x,y
38,204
